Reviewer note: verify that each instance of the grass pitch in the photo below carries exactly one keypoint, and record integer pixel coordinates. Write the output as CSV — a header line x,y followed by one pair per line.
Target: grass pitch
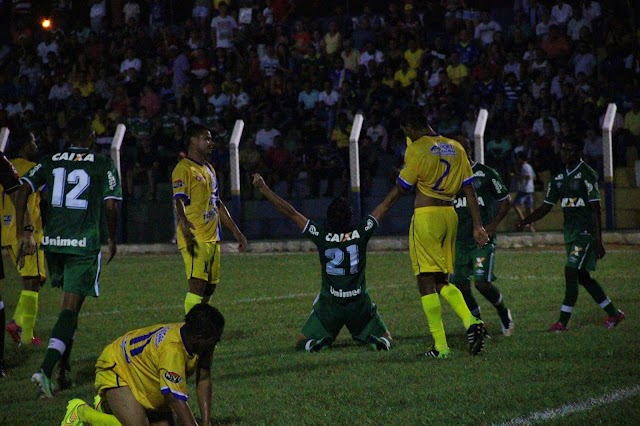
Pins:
x,y
588,375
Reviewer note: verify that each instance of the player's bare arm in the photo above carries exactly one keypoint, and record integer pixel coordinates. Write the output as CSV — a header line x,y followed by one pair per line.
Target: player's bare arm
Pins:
x,y
479,233
204,392
537,214
596,216
228,222
185,225
183,411
111,207
503,209
281,205
391,198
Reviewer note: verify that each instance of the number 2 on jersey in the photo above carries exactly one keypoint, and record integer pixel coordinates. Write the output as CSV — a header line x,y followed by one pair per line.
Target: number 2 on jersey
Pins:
x,y
447,169
72,199
336,257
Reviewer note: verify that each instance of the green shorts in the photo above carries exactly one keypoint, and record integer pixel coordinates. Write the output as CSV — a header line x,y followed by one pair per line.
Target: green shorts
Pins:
x,y
360,317
581,253
473,262
75,273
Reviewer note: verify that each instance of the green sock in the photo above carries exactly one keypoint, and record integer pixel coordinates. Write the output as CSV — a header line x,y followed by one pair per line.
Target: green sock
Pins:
x,y
454,298
191,300
61,335
433,311
29,310
93,417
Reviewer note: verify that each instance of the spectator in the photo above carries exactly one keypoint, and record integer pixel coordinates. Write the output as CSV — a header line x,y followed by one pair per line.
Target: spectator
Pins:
x,y
584,61
593,151
457,72
282,165
466,48
332,39
576,24
223,28
370,54
131,12
525,177
561,13
485,29
266,135
556,44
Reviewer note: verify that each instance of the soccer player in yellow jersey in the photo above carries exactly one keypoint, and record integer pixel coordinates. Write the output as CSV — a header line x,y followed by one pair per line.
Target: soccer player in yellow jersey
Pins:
x,y
23,150
437,167
200,213
141,377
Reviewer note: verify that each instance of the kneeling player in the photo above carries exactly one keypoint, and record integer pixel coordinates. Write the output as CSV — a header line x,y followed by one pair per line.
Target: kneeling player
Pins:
x,y
141,377
343,299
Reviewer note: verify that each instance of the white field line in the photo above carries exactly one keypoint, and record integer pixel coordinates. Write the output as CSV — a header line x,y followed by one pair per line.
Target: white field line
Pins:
x,y
576,407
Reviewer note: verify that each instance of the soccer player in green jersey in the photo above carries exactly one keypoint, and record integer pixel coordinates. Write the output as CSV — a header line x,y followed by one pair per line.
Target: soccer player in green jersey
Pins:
x,y
577,190
343,299
471,260
80,181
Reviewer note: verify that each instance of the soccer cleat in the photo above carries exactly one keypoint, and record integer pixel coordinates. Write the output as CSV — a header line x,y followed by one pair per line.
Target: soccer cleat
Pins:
x,y
45,387
507,323
71,417
3,371
475,336
378,343
318,345
433,353
558,327
15,331
36,341
611,322
63,379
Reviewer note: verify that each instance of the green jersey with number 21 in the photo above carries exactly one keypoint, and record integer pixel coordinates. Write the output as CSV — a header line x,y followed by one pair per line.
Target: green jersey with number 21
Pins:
x,y
343,258
78,181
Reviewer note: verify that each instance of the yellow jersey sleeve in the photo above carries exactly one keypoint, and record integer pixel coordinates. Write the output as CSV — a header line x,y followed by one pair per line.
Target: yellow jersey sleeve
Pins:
x,y
8,210
180,181
172,373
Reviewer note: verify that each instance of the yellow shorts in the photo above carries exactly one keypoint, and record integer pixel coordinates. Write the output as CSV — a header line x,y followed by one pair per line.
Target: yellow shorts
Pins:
x,y
33,264
110,375
432,239
205,265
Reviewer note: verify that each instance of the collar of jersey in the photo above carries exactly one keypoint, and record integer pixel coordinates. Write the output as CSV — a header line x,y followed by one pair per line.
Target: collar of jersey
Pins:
x,y
575,168
78,147
191,159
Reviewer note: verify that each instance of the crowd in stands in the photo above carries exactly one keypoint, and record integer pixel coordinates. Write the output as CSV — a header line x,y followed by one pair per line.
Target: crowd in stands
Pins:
x,y
543,70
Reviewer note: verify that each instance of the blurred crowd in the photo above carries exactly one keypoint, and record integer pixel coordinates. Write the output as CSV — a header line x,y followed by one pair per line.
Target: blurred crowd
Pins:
x,y
543,70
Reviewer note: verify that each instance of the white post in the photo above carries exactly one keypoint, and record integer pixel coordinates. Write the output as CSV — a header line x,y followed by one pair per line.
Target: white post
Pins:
x,y
4,138
478,135
607,158
116,143
234,159
354,164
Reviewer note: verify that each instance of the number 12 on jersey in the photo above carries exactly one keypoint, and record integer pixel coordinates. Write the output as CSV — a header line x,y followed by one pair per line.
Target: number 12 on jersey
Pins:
x,y
72,199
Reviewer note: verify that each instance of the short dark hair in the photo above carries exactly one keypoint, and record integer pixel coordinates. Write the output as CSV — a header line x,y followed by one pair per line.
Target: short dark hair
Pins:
x,y
203,320
17,141
79,129
194,130
339,214
574,141
413,117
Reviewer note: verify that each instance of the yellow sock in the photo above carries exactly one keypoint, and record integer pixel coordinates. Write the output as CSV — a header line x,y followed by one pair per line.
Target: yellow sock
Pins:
x,y
17,314
29,301
433,310
454,298
95,418
190,301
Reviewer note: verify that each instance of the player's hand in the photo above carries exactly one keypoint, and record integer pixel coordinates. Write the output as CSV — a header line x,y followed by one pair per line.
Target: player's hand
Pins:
x,y
480,235
490,229
26,247
242,242
520,225
113,249
186,228
600,251
258,181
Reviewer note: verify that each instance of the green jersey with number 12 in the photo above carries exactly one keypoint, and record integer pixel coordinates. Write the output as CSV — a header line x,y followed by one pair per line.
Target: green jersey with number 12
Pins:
x,y
343,258
78,181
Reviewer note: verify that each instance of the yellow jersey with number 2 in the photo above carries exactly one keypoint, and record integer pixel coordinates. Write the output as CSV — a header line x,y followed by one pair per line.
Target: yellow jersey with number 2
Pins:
x,y
437,165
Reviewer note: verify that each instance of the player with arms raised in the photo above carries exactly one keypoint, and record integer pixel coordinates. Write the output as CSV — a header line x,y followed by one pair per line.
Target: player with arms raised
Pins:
x,y
80,183
474,261
577,191
344,299
200,213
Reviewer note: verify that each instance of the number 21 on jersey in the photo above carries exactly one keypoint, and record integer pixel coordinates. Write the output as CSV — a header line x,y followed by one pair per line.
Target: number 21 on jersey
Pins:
x,y
337,256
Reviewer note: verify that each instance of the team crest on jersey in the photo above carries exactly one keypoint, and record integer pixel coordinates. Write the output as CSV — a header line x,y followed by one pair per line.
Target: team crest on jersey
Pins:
x,y
6,219
578,176
160,335
199,178
560,177
172,377
479,261
178,184
575,185
476,183
576,251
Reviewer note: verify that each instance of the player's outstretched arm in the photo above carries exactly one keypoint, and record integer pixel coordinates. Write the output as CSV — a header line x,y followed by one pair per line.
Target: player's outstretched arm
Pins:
x,y
204,392
281,205
228,223
596,217
479,234
112,225
537,214
391,198
503,209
